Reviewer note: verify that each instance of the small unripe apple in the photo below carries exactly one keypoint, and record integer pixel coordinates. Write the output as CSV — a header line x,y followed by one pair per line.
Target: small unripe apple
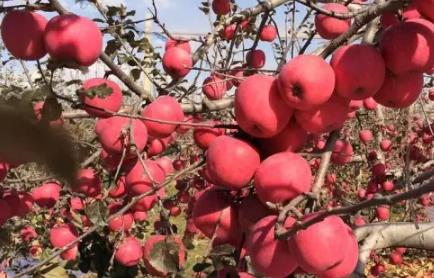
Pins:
x,y
268,33
329,27
99,95
72,38
23,34
129,252
255,58
306,82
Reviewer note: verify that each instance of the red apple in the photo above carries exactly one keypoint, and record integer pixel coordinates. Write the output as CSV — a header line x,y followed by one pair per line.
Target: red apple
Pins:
x,y
268,33
177,62
395,258
387,186
410,12
231,162
292,138
47,194
115,134
166,164
388,18
28,233
62,235
416,47
282,177
359,71
250,211
4,168
23,34
120,223
165,108
66,40
385,145
366,136
359,220
271,257
342,152
329,27
120,188
306,82
214,87
425,7
255,58
99,95
37,109
216,217
221,7
228,32
322,245
328,117
400,91
142,178
88,183
129,252
260,93
382,212
184,45
204,136
370,103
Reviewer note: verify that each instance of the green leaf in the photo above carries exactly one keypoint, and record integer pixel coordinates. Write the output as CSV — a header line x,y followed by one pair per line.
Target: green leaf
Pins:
x,y
101,91
97,212
165,255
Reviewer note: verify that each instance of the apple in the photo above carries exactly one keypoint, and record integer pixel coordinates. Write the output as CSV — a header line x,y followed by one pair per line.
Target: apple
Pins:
x,y
99,95
204,136
231,162
177,62
122,223
382,212
4,168
115,135
215,216
329,27
88,183
155,146
166,164
416,47
348,264
370,103
292,138
140,216
400,91
306,82
250,211
129,252
342,153
184,45
260,93
270,256
366,136
359,221
385,145
328,117
147,203
221,7
120,188
152,245
165,108
395,258
359,71
142,178
214,87
425,8
291,177
47,194
228,32
66,41
76,204
387,186
62,235
321,246
268,33
377,269
255,58
110,162
388,19
410,12
23,34
28,233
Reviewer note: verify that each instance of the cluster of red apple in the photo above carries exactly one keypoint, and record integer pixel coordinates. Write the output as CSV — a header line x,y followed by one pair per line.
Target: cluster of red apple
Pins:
x,y
62,37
